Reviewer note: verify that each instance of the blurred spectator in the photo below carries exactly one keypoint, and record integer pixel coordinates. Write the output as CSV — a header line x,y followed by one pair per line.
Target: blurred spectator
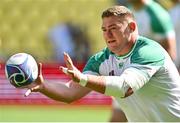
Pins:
x,y
175,15
167,4
72,39
155,23
121,2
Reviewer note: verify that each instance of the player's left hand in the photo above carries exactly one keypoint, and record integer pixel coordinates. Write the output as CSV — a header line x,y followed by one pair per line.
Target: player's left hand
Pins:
x,y
37,85
70,69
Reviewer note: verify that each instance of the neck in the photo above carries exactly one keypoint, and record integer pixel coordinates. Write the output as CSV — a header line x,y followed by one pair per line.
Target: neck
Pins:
x,y
134,37
126,48
128,45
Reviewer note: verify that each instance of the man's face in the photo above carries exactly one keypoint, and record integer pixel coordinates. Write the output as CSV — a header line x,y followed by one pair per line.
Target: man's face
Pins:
x,y
116,34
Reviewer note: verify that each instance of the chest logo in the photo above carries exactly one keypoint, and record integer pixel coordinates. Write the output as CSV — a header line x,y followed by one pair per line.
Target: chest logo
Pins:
x,y
121,65
111,73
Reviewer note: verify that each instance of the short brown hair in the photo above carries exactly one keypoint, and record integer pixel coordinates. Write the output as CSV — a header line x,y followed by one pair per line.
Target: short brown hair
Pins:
x,y
119,11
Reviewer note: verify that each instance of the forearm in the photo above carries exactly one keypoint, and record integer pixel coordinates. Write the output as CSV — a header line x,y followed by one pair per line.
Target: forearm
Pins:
x,y
109,85
57,91
172,48
169,44
64,92
122,86
96,83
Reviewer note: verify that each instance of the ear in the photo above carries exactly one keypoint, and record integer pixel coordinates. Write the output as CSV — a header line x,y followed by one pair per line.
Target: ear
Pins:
x,y
132,25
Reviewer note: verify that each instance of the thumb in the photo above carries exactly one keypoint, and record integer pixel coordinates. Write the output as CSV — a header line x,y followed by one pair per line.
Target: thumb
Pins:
x,y
35,88
66,70
63,69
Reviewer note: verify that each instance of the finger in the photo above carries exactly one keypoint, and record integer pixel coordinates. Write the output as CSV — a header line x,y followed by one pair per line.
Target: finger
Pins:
x,y
64,69
39,69
28,92
70,72
35,88
68,61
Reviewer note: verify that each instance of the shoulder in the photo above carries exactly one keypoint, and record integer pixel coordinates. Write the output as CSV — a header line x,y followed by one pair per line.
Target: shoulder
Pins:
x,y
148,52
95,61
101,56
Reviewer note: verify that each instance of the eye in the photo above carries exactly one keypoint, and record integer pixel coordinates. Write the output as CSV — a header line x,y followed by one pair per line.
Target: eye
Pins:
x,y
113,28
103,29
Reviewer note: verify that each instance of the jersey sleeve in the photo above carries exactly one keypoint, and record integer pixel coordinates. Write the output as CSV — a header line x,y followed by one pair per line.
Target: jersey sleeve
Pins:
x,y
146,60
136,76
92,66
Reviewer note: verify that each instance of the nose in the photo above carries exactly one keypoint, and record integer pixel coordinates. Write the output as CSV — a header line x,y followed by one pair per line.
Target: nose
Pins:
x,y
108,34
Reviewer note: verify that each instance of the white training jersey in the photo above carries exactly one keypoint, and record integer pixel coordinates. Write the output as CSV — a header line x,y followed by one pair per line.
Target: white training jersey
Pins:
x,y
150,72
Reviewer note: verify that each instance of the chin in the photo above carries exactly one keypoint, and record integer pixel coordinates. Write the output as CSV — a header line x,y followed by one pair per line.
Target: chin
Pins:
x,y
115,51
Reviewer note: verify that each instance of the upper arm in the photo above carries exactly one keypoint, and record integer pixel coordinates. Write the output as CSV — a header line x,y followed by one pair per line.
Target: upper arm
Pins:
x,y
136,76
146,60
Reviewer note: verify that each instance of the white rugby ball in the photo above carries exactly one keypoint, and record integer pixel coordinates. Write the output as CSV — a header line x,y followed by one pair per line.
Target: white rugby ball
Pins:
x,y
21,69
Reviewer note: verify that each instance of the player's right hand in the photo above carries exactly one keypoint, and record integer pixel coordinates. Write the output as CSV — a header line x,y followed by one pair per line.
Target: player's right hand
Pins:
x,y
70,69
38,84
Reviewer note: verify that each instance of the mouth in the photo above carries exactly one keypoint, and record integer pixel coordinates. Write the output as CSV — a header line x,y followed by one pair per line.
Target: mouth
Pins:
x,y
111,41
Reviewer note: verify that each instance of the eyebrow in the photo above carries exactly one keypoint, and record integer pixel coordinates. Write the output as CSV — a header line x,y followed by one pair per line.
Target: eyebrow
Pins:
x,y
109,26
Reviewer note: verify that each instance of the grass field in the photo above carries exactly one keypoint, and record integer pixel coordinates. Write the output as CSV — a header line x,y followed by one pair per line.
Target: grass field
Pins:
x,y
49,113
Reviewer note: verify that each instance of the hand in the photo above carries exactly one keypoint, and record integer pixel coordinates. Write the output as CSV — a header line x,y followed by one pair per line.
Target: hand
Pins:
x,y
71,70
37,85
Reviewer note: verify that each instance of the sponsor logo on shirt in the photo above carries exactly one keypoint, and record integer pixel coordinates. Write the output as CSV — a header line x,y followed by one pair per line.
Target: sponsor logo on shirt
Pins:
x,y
111,73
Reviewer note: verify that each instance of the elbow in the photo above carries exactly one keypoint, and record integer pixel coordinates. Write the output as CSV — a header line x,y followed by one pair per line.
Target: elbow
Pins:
x,y
119,93
69,101
128,92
